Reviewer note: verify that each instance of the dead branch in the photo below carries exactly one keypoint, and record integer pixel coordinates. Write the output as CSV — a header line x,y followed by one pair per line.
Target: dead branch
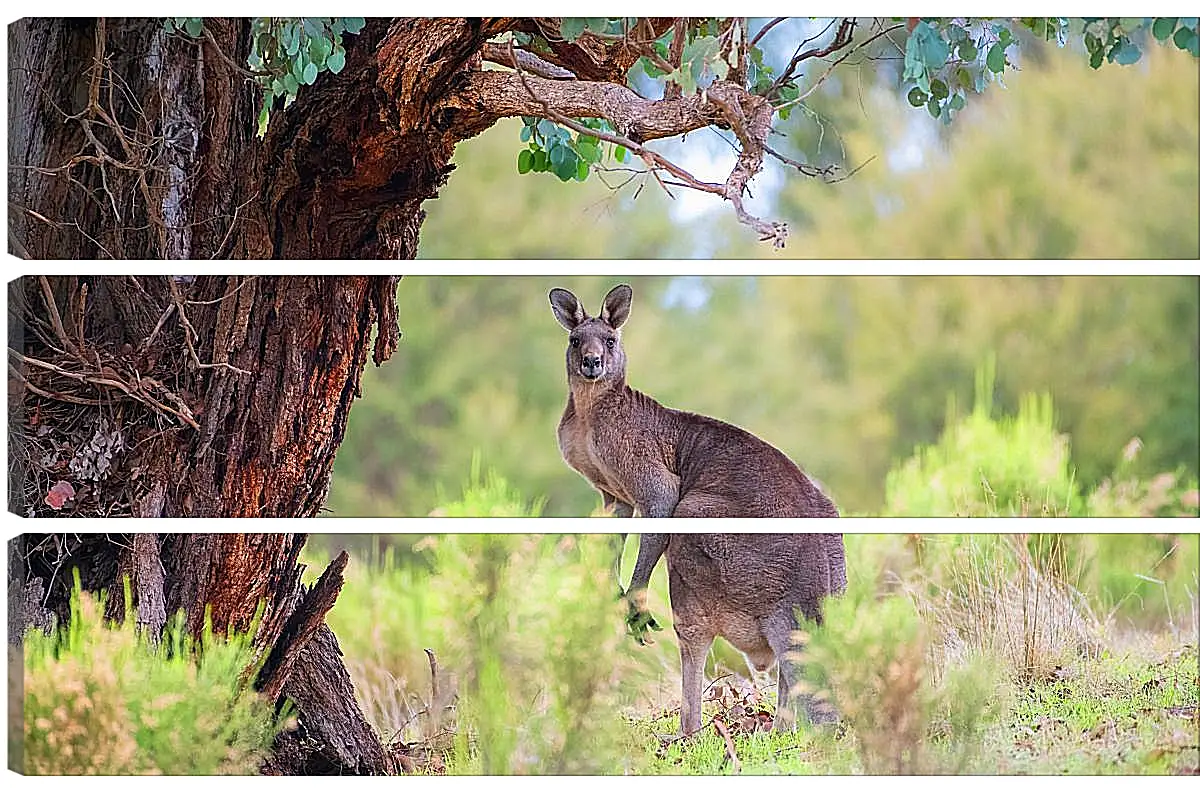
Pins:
x,y
516,58
843,37
113,380
730,752
722,101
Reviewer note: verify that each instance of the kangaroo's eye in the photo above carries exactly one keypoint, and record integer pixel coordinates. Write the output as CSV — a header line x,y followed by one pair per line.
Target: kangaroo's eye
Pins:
x,y
574,341
611,342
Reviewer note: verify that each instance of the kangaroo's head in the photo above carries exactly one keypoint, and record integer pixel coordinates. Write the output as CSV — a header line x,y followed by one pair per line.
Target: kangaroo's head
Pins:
x,y
594,352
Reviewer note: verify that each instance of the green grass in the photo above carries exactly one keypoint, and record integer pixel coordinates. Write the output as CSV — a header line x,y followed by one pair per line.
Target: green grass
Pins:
x,y
1116,696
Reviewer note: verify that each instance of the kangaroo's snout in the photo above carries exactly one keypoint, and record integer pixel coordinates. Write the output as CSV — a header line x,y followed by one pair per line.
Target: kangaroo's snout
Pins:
x,y
592,367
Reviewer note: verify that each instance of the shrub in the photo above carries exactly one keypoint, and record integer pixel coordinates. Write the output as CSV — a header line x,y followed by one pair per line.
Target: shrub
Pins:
x,y
1009,597
100,699
981,466
489,496
872,658
536,638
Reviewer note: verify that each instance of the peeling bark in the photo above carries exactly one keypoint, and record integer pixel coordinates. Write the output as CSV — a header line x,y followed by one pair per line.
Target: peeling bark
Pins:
x,y
169,165
266,369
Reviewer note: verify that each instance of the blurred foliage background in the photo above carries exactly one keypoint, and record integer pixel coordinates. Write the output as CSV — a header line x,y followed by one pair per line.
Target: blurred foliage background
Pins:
x,y
1061,162
852,377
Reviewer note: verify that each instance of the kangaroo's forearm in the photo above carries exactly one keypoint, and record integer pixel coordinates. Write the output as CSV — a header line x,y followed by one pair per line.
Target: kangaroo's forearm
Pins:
x,y
618,508
651,546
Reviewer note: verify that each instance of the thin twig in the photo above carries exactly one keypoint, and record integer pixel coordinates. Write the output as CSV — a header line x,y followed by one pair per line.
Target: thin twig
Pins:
x,y
50,394
730,752
189,333
55,319
764,30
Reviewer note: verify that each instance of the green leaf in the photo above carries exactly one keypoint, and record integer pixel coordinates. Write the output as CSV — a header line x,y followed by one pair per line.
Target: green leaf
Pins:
x,y
313,27
928,47
572,28
1128,53
1183,38
916,98
194,27
621,154
541,161
290,84
557,154
957,102
939,89
719,68
934,108
291,39
1163,27
995,58
526,133
354,24
318,50
336,60
581,171
264,116
310,73
548,131
967,50
588,151
524,161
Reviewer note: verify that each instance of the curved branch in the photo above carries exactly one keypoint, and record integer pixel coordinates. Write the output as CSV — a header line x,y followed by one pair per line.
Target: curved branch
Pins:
x,y
491,95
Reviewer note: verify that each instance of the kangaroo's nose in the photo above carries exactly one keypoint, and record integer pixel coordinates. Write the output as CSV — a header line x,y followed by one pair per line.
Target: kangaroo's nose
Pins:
x,y
591,362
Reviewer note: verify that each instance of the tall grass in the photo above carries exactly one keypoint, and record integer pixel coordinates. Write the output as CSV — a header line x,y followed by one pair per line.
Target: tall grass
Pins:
x,y
984,466
874,659
101,699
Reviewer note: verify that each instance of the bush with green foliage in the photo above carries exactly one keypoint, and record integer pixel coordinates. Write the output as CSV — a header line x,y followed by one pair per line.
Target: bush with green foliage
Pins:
x,y
100,699
982,466
872,658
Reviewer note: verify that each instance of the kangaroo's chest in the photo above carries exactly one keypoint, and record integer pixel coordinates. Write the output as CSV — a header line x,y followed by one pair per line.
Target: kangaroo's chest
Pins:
x,y
583,449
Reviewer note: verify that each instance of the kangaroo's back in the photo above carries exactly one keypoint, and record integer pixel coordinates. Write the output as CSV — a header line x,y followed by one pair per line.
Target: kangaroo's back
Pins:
x,y
725,471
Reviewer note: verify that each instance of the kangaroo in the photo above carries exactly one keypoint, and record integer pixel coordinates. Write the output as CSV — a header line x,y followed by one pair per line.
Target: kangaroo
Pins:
x,y
654,461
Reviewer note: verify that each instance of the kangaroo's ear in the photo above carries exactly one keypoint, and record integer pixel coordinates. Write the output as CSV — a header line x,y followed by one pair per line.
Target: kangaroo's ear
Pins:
x,y
567,309
617,304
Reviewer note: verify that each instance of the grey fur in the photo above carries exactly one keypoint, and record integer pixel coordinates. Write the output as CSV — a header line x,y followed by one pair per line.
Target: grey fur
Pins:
x,y
655,461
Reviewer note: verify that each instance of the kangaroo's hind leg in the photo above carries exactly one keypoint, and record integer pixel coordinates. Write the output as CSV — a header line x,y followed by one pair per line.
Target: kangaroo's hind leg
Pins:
x,y
794,695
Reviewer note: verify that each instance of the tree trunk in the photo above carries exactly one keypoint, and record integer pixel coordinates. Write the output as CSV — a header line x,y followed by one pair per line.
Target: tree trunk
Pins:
x,y
218,397
126,141
230,577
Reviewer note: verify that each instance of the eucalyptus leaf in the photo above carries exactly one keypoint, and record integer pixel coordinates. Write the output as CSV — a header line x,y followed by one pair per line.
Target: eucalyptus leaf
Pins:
x,y
995,58
1163,27
336,60
572,28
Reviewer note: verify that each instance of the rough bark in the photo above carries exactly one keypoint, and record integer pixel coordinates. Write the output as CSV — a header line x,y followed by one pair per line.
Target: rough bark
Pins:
x,y
129,142
231,394
236,580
